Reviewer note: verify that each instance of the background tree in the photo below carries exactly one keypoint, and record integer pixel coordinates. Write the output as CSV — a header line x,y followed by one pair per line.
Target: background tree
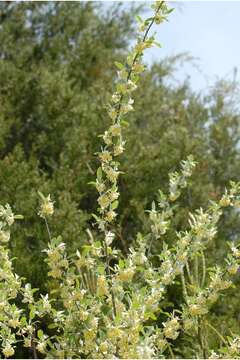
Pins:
x,y
55,60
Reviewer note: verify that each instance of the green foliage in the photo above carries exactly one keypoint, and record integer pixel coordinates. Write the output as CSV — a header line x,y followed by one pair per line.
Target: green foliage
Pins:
x,y
54,60
150,284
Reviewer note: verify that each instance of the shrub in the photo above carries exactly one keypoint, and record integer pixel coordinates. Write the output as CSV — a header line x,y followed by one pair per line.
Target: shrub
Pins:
x,y
104,304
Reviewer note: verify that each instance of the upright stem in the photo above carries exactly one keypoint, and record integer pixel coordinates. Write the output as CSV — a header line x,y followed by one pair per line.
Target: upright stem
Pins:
x,y
218,334
33,347
203,269
110,277
135,60
189,273
201,339
196,270
150,247
116,120
48,230
170,350
185,295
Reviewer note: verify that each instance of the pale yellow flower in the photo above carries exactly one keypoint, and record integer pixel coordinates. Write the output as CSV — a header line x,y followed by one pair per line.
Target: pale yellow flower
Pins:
x,y
46,208
103,347
102,286
115,130
126,275
233,269
112,174
196,309
105,156
100,186
104,201
118,149
110,215
4,236
41,347
27,342
225,201
8,350
13,323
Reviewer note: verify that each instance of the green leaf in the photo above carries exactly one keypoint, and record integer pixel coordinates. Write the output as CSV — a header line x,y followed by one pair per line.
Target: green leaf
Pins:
x,y
95,217
119,65
99,173
170,10
23,320
86,249
18,217
101,269
150,315
41,195
114,205
52,326
92,183
124,123
121,264
157,44
148,20
39,333
139,19
57,240
32,313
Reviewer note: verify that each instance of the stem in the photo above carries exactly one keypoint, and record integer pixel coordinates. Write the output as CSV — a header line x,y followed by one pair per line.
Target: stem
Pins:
x,y
90,281
170,350
150,247
48,230
189,273
196,270
185,295
217,332
84,280
116,120
203,269
110,277
201,339
125,249
137,55
33,347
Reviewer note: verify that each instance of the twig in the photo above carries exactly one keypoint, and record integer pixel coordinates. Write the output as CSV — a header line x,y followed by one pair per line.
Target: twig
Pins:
x,y
48,230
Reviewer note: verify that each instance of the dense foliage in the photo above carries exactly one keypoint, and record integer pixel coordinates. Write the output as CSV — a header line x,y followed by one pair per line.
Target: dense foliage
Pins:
x,y
55,61
145,286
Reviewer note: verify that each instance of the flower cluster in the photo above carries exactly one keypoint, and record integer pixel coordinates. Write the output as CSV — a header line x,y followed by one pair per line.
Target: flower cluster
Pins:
x,y
46,206
161,219
230,350
56,258
121,104
14,322
7,219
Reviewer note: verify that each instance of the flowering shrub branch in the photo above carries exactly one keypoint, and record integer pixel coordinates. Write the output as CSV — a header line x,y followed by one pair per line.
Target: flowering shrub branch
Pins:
x,y
104,304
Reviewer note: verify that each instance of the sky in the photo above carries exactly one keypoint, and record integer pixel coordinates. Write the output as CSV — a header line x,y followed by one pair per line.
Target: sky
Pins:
x,y
210,32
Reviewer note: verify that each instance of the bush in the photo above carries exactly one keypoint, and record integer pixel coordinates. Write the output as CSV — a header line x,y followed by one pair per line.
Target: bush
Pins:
x,y
103,304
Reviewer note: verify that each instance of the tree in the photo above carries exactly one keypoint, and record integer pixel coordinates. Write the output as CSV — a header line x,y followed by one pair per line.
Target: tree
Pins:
x,y
55,58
